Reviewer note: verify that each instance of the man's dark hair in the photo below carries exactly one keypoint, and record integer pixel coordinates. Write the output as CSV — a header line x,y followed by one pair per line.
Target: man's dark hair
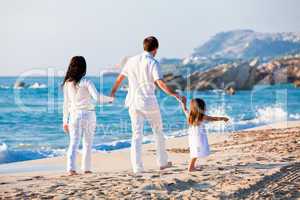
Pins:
x,y
150,43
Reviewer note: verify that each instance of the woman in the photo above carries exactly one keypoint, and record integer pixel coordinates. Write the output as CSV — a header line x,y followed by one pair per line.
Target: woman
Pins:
x,y
79,118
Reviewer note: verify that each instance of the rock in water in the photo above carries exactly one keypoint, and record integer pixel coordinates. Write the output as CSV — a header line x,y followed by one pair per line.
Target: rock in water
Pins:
x,y
230,90
19,84
240,76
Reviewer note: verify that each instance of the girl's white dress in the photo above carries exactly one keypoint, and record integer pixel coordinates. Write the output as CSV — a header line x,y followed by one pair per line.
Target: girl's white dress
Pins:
x,y
198,141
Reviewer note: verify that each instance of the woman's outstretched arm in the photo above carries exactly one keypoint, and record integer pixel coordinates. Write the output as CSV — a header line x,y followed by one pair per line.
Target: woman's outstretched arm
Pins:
x,y
100,98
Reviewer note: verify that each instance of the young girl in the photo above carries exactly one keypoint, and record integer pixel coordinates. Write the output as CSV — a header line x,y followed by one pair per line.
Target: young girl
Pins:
x,y
79,118
197,135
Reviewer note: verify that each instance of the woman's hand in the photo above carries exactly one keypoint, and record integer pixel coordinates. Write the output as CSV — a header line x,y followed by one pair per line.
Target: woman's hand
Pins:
x,y
66,128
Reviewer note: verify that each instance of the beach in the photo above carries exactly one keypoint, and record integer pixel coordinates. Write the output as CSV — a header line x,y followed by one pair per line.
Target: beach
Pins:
x,y
262,162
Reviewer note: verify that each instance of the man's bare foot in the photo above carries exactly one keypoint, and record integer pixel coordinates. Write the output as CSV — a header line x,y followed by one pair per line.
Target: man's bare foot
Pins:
x,y
88,172
72,173
166,166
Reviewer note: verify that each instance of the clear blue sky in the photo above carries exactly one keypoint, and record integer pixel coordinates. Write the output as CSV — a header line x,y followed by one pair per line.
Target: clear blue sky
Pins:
x,y
46,33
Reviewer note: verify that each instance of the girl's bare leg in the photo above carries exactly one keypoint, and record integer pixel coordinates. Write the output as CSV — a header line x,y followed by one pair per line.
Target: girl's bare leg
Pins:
x,y
192,165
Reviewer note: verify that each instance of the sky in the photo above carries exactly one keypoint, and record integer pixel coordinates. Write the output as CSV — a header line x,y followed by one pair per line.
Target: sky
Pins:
x,y
41,34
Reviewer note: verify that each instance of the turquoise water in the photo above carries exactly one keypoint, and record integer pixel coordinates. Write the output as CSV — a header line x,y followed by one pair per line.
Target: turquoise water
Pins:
x,y
30,118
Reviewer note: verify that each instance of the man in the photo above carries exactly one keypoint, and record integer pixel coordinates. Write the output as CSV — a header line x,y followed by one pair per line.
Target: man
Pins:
x,y
143,72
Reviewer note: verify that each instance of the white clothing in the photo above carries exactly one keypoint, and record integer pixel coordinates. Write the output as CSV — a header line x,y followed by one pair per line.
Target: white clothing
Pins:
x,y
198,142
82,124
79,105
142,71
137,122
81,97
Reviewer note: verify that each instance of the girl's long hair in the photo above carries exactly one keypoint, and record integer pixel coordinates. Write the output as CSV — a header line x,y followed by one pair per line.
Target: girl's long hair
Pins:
x,y
76,70
197,109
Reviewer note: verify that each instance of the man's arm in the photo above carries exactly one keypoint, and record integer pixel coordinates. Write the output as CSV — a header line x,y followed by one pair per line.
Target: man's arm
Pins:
x,y
117,85
162,85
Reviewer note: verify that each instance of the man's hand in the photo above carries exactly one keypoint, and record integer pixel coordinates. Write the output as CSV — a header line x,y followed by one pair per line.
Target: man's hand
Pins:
x,y
66,128
225,119
163,86
183,100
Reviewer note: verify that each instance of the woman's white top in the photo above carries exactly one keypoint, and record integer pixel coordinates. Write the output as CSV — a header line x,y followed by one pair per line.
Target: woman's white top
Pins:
x,y
81,96
198,141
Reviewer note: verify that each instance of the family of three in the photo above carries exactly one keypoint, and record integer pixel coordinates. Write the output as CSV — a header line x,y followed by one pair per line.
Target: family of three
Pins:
x,y
144,75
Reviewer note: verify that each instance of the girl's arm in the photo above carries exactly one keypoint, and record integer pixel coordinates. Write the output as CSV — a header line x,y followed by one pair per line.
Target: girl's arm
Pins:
x,y
65,108
100,98
210,118
183,105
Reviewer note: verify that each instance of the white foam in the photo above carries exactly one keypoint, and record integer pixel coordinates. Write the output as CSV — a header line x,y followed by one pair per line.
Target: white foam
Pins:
x,y
294,116
4,86
271,114
3,147
37,85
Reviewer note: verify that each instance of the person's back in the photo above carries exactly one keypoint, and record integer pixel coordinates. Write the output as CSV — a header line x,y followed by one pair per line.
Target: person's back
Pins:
x,y
142,71
79,95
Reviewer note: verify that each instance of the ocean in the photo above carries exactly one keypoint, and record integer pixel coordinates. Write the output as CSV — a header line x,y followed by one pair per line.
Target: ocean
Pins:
x,y
31,117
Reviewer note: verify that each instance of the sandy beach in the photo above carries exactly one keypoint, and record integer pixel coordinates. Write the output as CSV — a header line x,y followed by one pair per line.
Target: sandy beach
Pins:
x,y
263,162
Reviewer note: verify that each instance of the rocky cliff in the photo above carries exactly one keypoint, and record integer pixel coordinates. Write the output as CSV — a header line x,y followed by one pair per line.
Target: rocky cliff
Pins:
x,y
241,75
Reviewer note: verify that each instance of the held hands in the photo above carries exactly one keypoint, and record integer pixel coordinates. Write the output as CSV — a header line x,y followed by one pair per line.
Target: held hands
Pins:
x,y
181,99
66,128
111,99
225,119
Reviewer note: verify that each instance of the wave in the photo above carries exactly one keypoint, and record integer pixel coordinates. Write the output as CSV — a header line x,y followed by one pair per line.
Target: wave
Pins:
x,y
271,114
113,145
4,87
24,152
265,115
294,116
37,85
120,144
16,155
3,147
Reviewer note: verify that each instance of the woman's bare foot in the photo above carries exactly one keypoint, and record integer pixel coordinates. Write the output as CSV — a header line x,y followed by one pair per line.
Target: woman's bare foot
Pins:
x,y
72,173
166,166
88,172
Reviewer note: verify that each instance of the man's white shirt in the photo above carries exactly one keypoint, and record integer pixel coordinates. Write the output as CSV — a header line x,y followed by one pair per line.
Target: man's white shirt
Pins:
x,y
142,71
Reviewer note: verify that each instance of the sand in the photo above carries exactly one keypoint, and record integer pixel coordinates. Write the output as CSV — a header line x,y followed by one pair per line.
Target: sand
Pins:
x,y
261,163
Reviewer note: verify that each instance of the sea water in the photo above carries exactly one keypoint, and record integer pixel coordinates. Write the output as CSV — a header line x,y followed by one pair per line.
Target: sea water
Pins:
x,y
31,117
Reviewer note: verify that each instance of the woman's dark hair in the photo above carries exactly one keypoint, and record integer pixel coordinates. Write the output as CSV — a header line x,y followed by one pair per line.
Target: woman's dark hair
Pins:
x,y
150,43
76,70
197,109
